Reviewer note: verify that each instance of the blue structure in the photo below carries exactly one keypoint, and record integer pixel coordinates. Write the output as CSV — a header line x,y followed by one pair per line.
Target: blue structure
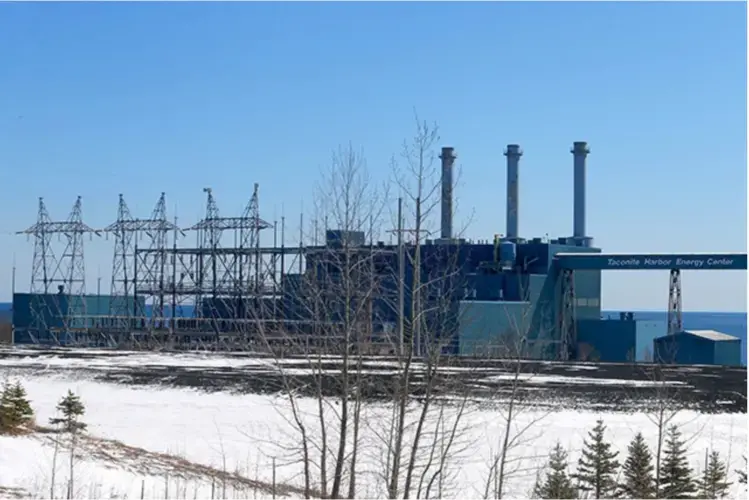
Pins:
x,y
535,298
651,262
698,347
538,297
618,340
60,319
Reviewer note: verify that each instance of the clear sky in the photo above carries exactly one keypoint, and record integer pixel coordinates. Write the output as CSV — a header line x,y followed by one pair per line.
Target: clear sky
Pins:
x,y
139,98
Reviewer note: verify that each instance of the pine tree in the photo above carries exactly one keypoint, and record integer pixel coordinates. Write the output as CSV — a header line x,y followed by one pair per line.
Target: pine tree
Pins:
x,y
7,412
676,475
557,484
742,473
15,408
21,403
598,465
72,410
714,481
638,472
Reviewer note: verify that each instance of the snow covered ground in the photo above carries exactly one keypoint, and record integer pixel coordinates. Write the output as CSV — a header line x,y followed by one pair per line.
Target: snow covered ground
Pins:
x,y
246,434
26,465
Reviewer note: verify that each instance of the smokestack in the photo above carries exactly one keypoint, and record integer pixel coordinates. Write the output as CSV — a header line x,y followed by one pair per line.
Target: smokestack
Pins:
x,y
513,155
448,158
580,152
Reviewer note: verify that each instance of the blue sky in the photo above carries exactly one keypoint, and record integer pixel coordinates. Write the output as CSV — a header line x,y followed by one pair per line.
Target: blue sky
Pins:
x,y
139,98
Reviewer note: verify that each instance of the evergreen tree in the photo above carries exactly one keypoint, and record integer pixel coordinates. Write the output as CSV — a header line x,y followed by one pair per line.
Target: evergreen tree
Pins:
x,y
714,481
21,403
597,467
72,410
742,473
557,484
7,412
15,408
676,475
638,472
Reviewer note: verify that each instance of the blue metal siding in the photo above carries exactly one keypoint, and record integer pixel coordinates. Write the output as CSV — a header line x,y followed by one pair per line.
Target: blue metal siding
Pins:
x,y
535,287
610,341
684,349
488,328
727,352
653,261
51,307
647,332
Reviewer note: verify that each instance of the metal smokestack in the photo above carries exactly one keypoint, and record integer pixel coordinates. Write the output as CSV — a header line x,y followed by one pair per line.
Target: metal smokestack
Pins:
x,y
513,155
580,152
448,158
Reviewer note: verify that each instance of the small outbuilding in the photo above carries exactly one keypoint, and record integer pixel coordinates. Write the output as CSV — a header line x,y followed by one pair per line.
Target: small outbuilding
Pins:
x,y
698,347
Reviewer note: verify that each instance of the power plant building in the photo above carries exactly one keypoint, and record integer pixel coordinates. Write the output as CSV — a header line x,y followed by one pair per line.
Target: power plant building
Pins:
x,y
511,296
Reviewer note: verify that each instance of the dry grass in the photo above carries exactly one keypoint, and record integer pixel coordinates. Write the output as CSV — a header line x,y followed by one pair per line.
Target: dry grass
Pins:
x,y
9,492
140,461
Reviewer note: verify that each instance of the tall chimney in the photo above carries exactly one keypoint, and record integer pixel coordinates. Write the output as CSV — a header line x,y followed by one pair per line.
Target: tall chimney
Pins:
x,y
580,152
513,155
448,158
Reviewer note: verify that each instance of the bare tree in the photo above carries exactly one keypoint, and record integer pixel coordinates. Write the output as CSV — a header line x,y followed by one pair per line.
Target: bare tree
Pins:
x,y
510,343
333,315
345,300
427,323
664,406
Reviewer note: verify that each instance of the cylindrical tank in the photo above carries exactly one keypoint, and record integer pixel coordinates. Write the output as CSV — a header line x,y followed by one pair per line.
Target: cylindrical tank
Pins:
x,y
507,253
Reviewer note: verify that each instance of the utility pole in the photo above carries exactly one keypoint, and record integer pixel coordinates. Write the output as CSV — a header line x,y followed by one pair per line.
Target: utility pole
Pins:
x,y
401,230
401,277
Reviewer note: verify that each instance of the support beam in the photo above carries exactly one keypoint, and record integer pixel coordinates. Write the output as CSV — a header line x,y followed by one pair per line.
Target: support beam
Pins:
x,y
675,324
568,326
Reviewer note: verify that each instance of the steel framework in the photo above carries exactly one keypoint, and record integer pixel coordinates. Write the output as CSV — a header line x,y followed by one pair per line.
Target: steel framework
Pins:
x,y
61,312
124,308
675,324
223,283
568,319
227,284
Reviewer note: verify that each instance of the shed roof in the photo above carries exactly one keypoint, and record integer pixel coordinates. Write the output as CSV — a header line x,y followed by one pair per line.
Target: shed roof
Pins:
x,y
711,335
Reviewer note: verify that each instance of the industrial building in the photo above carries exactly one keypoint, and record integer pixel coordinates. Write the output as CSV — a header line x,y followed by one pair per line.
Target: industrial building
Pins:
x,y
698,347
507,296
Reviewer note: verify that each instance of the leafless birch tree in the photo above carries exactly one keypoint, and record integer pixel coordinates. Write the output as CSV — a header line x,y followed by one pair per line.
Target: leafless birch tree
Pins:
x,y
510,342
419,437
333,315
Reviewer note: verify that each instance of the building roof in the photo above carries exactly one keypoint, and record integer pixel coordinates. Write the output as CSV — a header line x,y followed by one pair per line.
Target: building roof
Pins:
x,y
711,335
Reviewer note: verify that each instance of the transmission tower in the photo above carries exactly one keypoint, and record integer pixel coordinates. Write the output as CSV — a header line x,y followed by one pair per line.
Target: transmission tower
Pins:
x,y
53,313
44,263
124,305
251,263
221,272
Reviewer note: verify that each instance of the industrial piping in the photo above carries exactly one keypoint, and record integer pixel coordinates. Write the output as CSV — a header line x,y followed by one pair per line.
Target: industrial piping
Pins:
x,y
448,158
580,152
513,155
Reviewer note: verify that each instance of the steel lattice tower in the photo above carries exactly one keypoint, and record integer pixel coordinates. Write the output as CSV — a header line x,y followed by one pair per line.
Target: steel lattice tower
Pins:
x,y
127,231
675,324
44,263
210,239
250,229
68,273
122,267
222,274
73,266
